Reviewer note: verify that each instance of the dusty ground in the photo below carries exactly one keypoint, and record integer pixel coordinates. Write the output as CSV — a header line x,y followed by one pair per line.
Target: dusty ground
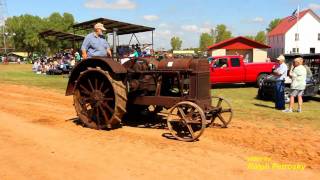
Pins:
x,y
38,140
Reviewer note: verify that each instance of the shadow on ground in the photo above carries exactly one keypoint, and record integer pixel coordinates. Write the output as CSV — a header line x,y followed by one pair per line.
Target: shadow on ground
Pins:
x,y
263,105
226,86
316,98
151,121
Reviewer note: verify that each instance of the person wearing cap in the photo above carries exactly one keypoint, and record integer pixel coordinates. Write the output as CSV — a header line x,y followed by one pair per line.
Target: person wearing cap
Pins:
x,y
299,76
280,73
95,44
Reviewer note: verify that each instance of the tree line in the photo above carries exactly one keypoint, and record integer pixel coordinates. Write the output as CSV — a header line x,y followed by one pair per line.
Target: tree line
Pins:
x,y
26,29
221,33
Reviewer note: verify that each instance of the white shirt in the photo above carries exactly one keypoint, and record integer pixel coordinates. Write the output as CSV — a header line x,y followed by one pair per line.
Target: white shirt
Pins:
x,y
283,70
299,75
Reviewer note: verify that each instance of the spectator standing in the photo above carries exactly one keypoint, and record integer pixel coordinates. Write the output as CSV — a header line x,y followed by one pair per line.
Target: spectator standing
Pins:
x,y
281,73
35,66
55,63
77,57
72,62
146,51
298,85
134,53
138,49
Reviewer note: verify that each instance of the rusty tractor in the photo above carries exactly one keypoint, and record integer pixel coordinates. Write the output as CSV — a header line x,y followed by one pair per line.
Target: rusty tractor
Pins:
x,y
105,90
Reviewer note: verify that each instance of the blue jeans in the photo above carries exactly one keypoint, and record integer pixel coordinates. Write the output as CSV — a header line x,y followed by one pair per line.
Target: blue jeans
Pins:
x,y
279,95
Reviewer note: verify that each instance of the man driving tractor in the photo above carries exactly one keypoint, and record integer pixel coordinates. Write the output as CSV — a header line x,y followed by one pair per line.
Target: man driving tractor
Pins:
x,y
95,44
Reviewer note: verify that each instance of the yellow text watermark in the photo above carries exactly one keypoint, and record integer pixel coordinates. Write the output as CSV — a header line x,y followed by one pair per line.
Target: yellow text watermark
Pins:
x,y
265,163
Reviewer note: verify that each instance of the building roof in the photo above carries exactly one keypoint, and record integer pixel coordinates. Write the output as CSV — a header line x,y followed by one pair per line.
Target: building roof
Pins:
x,y
239,42
288,22
109,24
62,35
183,52
21,54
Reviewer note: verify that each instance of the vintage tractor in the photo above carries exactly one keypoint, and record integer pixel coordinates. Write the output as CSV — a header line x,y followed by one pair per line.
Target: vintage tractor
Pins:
x,y
105,90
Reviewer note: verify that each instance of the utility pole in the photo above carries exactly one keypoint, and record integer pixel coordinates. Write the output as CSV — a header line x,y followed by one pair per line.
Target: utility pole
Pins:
x,y
214,33
3,16
297,33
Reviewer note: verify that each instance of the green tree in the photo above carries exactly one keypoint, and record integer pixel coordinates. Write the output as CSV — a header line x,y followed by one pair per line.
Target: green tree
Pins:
x,y
61,23
176,43
261,37
222,33
68,21
274,23
27,28
205,41
250,37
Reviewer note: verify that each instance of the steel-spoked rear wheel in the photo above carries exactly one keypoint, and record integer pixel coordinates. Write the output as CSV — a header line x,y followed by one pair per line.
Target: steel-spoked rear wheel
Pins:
x,y
99,99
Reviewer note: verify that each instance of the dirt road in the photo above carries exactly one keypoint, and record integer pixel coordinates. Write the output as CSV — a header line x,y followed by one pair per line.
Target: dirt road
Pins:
x,y
39,140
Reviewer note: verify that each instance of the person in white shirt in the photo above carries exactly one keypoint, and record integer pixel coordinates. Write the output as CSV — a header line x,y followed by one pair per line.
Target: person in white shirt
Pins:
x,y
298,85
281,73
146,51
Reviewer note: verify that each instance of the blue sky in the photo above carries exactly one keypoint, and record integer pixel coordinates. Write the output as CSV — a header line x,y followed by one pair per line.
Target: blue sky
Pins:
x,y
183,18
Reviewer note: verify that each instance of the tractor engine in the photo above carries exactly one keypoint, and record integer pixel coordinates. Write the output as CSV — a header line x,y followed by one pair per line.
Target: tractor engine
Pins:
x,y
169,77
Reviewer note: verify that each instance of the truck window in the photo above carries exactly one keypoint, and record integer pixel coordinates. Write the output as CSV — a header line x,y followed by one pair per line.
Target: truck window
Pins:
x,y
221,63
235,62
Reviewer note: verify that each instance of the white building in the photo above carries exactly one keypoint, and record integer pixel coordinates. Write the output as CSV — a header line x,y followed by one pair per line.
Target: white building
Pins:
x,y
296,36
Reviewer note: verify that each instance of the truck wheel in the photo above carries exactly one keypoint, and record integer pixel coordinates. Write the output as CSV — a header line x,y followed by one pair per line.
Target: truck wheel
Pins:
x,y
260,79
261,94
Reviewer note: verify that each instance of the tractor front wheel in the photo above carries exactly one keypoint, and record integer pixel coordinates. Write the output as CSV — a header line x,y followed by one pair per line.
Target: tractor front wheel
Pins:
x,y
186,121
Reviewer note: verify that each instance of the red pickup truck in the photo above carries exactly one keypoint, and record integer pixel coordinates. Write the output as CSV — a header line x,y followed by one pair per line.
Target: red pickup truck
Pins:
x,y
232,69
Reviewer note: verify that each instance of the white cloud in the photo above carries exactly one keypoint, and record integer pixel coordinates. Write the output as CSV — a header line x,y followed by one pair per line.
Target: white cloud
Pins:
x,y
163,25
190,28
162,39
257,20
207,24
205,30
179,33
295,2
167,32
206,27
314,6
163,33
105,4
150,17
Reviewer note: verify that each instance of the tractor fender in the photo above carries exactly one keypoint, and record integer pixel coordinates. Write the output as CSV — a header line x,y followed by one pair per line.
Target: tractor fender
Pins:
x,y
106,64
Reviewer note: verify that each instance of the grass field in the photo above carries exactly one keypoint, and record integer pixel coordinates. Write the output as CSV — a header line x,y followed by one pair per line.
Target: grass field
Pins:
x,y
242,98
247,107
22,74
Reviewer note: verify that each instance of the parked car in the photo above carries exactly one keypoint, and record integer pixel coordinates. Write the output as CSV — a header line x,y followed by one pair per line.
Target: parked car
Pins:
x,y
232,69
312,61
